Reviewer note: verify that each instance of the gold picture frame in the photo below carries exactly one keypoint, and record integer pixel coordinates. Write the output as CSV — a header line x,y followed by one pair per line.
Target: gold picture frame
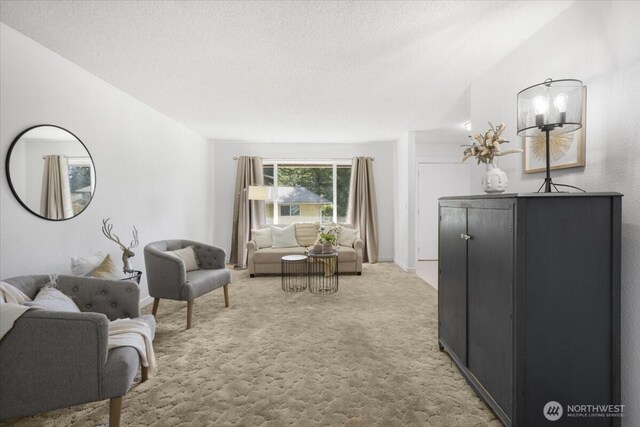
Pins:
x,y
567,150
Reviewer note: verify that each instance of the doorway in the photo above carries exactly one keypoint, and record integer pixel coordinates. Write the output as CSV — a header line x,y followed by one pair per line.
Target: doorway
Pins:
x,y
437,179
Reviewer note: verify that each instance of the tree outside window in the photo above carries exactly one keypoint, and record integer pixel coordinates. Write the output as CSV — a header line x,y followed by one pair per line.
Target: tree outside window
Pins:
x,y
312,192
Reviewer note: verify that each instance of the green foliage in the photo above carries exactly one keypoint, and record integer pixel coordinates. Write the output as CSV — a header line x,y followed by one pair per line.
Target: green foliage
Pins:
x,y
328,237
79,177
318,179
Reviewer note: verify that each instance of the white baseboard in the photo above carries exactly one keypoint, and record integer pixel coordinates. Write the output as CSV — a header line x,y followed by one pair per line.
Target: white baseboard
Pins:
x,y
404,267
385,259
145,301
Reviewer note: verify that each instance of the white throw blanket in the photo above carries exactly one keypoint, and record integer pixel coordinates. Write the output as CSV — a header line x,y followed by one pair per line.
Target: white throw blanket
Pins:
x,y
9,313
12,295
11,309
133,333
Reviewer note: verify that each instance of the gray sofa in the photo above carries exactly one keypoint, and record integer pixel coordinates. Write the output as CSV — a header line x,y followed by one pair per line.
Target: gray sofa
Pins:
x,y
268,260
52,359
168,278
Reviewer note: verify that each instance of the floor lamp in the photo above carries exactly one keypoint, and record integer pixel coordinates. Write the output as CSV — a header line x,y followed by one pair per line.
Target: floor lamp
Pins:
x,y
553,105
254,193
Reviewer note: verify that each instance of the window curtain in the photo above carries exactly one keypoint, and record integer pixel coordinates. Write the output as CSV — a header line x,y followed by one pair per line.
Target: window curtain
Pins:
x,y
247,214
55,197
363,211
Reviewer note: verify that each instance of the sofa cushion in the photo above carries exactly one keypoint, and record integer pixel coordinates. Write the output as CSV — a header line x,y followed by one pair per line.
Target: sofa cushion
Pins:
x,y
50,298
188,256
107,270
284,237
81,266
346,254
274,255
347,236
307,233
262,237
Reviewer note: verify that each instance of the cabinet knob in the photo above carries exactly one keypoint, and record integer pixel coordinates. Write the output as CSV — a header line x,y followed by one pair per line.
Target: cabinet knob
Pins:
x,y
465,236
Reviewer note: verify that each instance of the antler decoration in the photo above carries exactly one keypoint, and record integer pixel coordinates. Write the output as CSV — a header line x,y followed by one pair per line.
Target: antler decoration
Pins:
x,y
126,251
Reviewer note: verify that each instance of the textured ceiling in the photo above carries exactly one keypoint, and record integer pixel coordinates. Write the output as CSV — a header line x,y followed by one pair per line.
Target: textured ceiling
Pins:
x,y
288,71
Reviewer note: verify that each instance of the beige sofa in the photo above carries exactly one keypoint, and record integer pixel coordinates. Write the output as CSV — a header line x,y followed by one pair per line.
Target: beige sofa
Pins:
x,y
268,260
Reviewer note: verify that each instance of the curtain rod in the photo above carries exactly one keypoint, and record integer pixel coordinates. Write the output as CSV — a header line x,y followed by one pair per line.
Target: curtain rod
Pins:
x,y
312,160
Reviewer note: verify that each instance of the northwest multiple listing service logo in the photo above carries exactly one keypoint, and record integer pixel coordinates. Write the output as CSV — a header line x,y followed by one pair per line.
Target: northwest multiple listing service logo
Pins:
x,y
553,411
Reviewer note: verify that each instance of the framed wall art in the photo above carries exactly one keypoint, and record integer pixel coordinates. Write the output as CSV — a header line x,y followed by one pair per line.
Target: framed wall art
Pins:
x,y
567,150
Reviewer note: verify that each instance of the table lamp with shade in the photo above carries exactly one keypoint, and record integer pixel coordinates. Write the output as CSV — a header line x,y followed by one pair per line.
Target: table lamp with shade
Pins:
x,y
553,105
259,192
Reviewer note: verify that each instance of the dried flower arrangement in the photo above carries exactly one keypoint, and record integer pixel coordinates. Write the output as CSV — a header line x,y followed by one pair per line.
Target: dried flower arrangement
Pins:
x,y
487,146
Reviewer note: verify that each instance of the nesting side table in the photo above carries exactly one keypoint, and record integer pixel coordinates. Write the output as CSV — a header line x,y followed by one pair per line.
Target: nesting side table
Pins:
x,y
294,273
323,273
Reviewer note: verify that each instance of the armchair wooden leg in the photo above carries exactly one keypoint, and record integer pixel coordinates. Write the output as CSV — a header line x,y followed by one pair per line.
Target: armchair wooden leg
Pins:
x,y
156,303
115,408
189,313
225,288
144,372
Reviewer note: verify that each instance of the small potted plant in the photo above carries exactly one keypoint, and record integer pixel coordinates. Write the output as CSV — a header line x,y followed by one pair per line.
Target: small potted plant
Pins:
x,y
328,240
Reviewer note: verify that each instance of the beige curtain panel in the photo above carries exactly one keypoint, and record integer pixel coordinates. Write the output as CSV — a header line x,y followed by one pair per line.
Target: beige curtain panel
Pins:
x,y
247,214
363,208
55,198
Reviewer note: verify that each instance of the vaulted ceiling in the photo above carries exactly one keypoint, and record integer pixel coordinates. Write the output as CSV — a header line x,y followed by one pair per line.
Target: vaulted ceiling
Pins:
x,y
289,71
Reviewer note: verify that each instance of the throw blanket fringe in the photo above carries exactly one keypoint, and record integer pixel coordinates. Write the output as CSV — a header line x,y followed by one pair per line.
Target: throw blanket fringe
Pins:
x,y
133,333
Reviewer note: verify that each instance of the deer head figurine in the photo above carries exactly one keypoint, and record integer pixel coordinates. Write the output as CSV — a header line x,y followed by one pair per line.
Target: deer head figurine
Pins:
x,y
126,251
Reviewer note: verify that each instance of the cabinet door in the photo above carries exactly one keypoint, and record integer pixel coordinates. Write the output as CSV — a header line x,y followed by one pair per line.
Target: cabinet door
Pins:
x,y
490,303
452,281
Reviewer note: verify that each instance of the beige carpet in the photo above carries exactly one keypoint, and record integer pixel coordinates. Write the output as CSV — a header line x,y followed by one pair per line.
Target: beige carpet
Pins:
x,y
365,356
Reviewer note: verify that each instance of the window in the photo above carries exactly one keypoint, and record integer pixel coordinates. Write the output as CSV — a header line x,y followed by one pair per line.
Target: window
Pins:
x,y
307,191
81,182
289,210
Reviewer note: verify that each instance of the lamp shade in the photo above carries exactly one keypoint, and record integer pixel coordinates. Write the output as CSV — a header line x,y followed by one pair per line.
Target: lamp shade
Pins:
x,y
550,105
259,192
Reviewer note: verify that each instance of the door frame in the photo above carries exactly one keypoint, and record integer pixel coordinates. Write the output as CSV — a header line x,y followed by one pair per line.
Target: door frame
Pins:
x,y
420,161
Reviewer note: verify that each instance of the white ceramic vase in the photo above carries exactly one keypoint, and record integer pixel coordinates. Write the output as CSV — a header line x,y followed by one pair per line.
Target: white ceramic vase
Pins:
x,y
495,180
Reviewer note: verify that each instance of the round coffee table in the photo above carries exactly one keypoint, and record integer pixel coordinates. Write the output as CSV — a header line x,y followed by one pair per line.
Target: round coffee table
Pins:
x,y
294,273
323,272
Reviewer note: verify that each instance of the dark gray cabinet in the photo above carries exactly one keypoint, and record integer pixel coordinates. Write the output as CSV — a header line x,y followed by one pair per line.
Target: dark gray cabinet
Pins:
x,y
529,301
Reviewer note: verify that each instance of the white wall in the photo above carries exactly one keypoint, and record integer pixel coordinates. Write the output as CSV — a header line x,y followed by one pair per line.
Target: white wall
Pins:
x,y
151,172
411,148
598,43
404,202
441,143
225,175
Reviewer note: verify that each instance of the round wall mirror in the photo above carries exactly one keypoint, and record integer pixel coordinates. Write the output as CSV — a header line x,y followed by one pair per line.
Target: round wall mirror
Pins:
x,y
51,172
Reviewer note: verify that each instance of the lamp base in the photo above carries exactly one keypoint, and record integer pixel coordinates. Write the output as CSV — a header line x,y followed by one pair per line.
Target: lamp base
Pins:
x,y
239,267
548,184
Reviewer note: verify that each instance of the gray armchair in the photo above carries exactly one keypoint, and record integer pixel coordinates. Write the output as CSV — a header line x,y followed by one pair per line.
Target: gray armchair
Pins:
x,y
52,359
168,278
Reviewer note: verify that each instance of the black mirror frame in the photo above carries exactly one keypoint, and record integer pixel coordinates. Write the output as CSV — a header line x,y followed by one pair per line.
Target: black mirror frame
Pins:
x,y
15,193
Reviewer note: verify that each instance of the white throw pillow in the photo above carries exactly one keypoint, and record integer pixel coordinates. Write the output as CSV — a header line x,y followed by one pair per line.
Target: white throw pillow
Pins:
x,y
50,298
262,237
81,266
284,237
348,236
188,255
